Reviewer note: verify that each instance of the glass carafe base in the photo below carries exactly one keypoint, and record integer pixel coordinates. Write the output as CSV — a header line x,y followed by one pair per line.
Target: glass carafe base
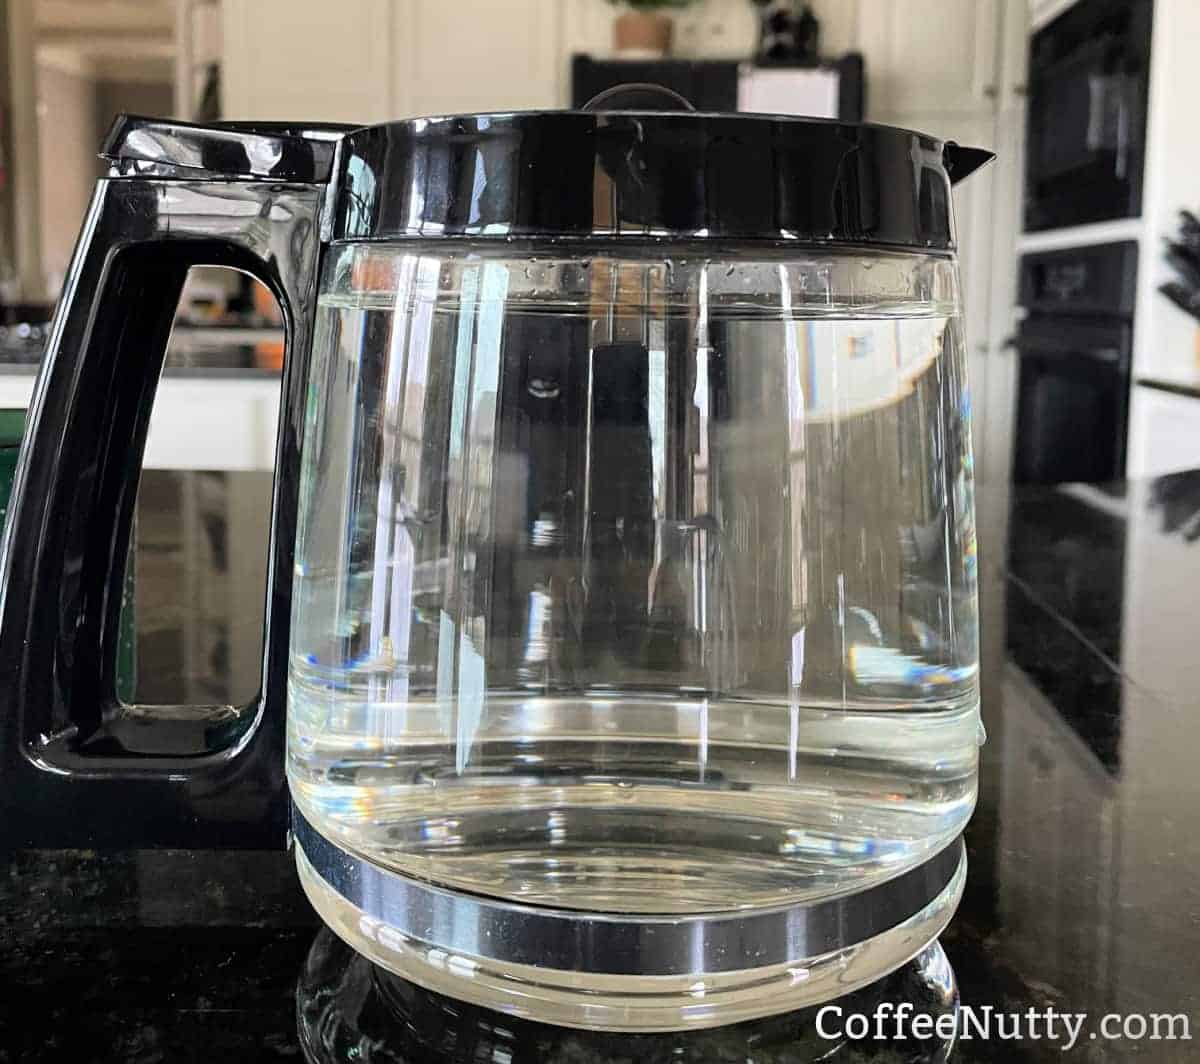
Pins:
x,y
620,972
350,1009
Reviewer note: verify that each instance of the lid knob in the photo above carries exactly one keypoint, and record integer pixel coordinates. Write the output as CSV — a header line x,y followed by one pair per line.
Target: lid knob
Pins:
x,y
633,96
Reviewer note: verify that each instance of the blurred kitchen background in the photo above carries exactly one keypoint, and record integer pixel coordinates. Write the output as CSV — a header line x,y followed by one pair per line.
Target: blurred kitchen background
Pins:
x,y
1080,272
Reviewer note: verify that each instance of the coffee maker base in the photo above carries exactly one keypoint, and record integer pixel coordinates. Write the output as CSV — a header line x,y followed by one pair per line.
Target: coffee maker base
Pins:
x,y
627,973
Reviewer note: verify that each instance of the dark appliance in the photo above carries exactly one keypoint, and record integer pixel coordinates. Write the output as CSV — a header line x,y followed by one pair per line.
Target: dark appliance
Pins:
x,y
1075,347
787,31
713,84
1086,132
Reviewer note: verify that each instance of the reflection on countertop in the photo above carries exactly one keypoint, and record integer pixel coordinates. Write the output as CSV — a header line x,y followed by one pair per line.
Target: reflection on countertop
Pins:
x,y
1091,802
1082,893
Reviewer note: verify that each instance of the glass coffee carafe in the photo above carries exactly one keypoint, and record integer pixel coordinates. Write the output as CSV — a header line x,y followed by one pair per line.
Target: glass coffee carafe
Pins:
x,y
631,679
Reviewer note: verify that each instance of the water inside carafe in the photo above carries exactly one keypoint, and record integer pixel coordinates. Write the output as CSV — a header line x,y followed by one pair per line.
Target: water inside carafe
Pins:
x,y
634,612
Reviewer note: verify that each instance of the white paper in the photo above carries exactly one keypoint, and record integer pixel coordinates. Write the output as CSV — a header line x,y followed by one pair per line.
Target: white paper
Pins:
x,y
805,93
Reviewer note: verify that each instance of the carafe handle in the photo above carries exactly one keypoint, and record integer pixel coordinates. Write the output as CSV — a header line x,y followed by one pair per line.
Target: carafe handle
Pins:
x,y
247,197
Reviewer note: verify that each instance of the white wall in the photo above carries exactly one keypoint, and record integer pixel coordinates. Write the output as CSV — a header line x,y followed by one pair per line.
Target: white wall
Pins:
x,y
67,161
308,59
477,55
74,112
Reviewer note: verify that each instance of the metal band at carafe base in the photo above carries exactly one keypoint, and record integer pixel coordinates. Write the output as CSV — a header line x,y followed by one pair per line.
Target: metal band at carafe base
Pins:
x,y
623,944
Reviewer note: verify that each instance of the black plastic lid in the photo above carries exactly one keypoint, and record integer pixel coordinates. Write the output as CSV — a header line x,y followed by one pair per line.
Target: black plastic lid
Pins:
x,y
650,174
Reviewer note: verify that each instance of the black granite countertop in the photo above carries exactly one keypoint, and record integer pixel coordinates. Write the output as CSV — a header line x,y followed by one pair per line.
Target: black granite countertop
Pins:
x,y
1082,894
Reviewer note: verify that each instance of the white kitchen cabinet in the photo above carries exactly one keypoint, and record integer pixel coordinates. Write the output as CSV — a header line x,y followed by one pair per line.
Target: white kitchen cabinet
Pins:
x,y
994,366
994,377
290,60
1164,433
1013,53
16,390
926,56
365,61
213,424
476,55
196,423
586,29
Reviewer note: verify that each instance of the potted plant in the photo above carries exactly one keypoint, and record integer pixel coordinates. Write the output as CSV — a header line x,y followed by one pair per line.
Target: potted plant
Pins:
x,y
643,29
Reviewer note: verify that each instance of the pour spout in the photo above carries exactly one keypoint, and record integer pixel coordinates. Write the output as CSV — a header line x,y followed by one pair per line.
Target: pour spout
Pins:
x,y
961,161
